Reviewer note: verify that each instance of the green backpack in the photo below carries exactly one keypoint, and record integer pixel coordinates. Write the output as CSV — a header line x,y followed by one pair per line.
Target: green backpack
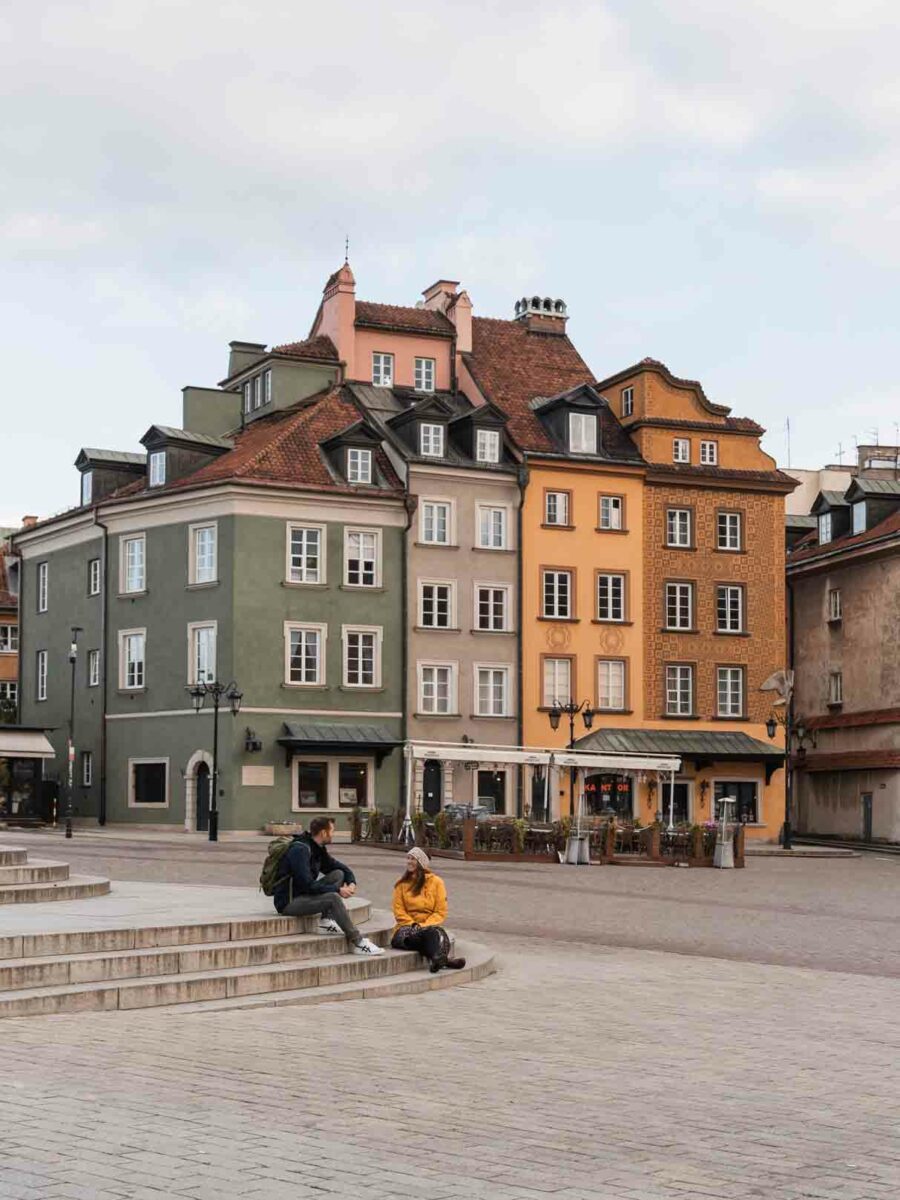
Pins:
x,y
274,872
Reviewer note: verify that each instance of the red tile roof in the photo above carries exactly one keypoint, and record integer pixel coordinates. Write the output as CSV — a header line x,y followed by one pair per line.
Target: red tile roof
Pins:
x,y
735,424
512,366
404,319
724,473
803,551
319,349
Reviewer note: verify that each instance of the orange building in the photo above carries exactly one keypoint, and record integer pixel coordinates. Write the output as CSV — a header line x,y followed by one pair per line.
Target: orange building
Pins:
x,y
652,569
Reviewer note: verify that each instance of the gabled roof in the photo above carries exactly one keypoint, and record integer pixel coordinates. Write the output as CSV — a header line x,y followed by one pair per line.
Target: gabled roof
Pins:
x,y
403,319
828,500
890,488
315,349
167,433
660,368
112,458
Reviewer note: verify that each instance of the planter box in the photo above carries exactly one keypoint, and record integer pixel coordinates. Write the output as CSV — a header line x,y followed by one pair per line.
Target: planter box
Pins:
x,y
282,828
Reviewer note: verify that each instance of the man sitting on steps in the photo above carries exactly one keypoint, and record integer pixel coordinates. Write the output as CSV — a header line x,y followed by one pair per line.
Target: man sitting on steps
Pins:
x,y
317,883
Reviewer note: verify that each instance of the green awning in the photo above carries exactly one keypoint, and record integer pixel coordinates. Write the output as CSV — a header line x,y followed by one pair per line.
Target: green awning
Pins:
x,y
699,746
332,738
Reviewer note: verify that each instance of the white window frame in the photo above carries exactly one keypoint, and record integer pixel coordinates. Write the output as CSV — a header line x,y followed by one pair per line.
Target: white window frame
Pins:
x,y
627,402
382,369
582,431
730,530
349,530
835,605
194,579
359,464
623,597
435,502
247,392
450,585
622,683
558,573
157,468
681,671
505,672
377,633
257,393
123,636
9,691
322,630
132,762
124,540
728,781
87,487
94,576
43,586
679,532
727,626
563,501
87,768
610,512
267,386
727,675
825,528
506,589
487,445
481,510
302,574
432,436
835,687
194,627
424,372
452,689
547,701
41,675
679,605
9,641
93,668
857,511
332,777
709,453
681,450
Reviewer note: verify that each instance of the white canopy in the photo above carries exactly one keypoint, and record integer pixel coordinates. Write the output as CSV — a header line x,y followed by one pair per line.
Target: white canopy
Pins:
x,y
24,743
541,756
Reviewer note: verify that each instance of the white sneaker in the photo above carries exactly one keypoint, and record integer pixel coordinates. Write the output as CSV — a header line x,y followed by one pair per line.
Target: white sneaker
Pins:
x,y
367,947
329,926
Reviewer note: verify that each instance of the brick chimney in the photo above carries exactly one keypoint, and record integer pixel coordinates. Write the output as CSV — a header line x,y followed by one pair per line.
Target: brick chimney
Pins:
x,y
542,315
28,522
337,316
440,295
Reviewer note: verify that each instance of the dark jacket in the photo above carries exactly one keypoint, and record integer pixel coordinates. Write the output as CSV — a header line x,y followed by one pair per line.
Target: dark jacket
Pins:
x,y
304,862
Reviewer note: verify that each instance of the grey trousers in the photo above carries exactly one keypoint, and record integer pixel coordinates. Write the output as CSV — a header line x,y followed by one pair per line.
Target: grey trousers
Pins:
x,y
328,904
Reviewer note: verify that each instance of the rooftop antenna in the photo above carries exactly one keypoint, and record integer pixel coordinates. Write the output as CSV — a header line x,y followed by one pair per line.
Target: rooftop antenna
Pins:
x,y
787,427
346,250
875,434
840,454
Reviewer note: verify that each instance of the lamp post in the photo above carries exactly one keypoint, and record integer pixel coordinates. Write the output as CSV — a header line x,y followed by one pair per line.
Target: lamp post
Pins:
x,y
70,747
230,692
571,710
794,729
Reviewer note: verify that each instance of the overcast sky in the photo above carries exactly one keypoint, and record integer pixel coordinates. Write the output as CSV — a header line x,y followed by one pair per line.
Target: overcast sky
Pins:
x,y
717,189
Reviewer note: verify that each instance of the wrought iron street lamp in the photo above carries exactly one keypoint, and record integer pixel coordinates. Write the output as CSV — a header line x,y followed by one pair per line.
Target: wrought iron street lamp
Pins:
x,y
70,747
795,730
571,710
218,692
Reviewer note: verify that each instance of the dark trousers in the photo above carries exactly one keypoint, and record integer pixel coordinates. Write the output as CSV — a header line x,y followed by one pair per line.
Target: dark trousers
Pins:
x,y
327,904
432,941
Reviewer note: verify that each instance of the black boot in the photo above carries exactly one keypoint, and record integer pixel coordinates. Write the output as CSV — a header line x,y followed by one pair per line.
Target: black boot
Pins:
x,y
437,963
455,964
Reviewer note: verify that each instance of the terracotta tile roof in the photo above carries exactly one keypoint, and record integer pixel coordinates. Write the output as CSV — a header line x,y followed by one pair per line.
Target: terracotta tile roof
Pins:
x,y
736,424
512,366
804,551
282,449
724,473
400,317
319,349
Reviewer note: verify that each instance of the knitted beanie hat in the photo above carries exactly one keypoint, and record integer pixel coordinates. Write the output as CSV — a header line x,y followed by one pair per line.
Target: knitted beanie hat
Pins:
x,y
421,857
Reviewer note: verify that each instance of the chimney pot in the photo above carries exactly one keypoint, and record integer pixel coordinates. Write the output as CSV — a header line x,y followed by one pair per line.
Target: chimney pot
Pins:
x,y
28,521
542,314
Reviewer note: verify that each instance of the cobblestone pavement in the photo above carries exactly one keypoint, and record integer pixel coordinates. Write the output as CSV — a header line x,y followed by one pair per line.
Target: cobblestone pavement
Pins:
x,y
583,1069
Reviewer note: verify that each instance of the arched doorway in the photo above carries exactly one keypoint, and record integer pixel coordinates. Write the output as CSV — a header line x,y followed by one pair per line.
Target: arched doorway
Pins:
x,y
203,781
432,786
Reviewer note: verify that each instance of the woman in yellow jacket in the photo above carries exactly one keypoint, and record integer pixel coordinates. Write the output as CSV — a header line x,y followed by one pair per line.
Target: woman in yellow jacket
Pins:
x,y
420,909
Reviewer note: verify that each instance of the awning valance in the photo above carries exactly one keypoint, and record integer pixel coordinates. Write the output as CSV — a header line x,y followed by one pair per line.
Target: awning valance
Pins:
x,y
701,747
19,742
540,756
333,738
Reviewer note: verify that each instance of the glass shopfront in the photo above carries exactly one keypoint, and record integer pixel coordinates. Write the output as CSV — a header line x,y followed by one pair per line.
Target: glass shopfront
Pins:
x,y
609,793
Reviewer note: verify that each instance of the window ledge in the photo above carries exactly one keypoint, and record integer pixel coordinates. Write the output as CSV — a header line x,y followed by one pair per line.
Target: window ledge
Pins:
x,y
132,595
496,632
436,629
609,621
196,587
835,704
361,687
360,587
603,529
678,717
730,633
436,545
729,550
670,629
550,525
614,712
561,620
425,716
492,550
669,546
298,583
130,691
835,621
491,717
717,717
307,687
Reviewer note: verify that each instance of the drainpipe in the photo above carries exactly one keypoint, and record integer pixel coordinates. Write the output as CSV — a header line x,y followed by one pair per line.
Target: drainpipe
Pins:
x,y
522,476
410,503
104,664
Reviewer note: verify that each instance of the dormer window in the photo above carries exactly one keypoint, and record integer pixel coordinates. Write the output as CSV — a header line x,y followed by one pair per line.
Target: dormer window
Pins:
x,y
824,528
157,468
424,374
859,517
431,440
248,396
382,369
359,465
582,433
87,486
627,401
487,446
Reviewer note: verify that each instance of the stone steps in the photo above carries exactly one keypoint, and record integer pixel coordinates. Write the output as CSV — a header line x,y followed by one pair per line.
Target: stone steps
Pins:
x,y
76,887
11,856
38,870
